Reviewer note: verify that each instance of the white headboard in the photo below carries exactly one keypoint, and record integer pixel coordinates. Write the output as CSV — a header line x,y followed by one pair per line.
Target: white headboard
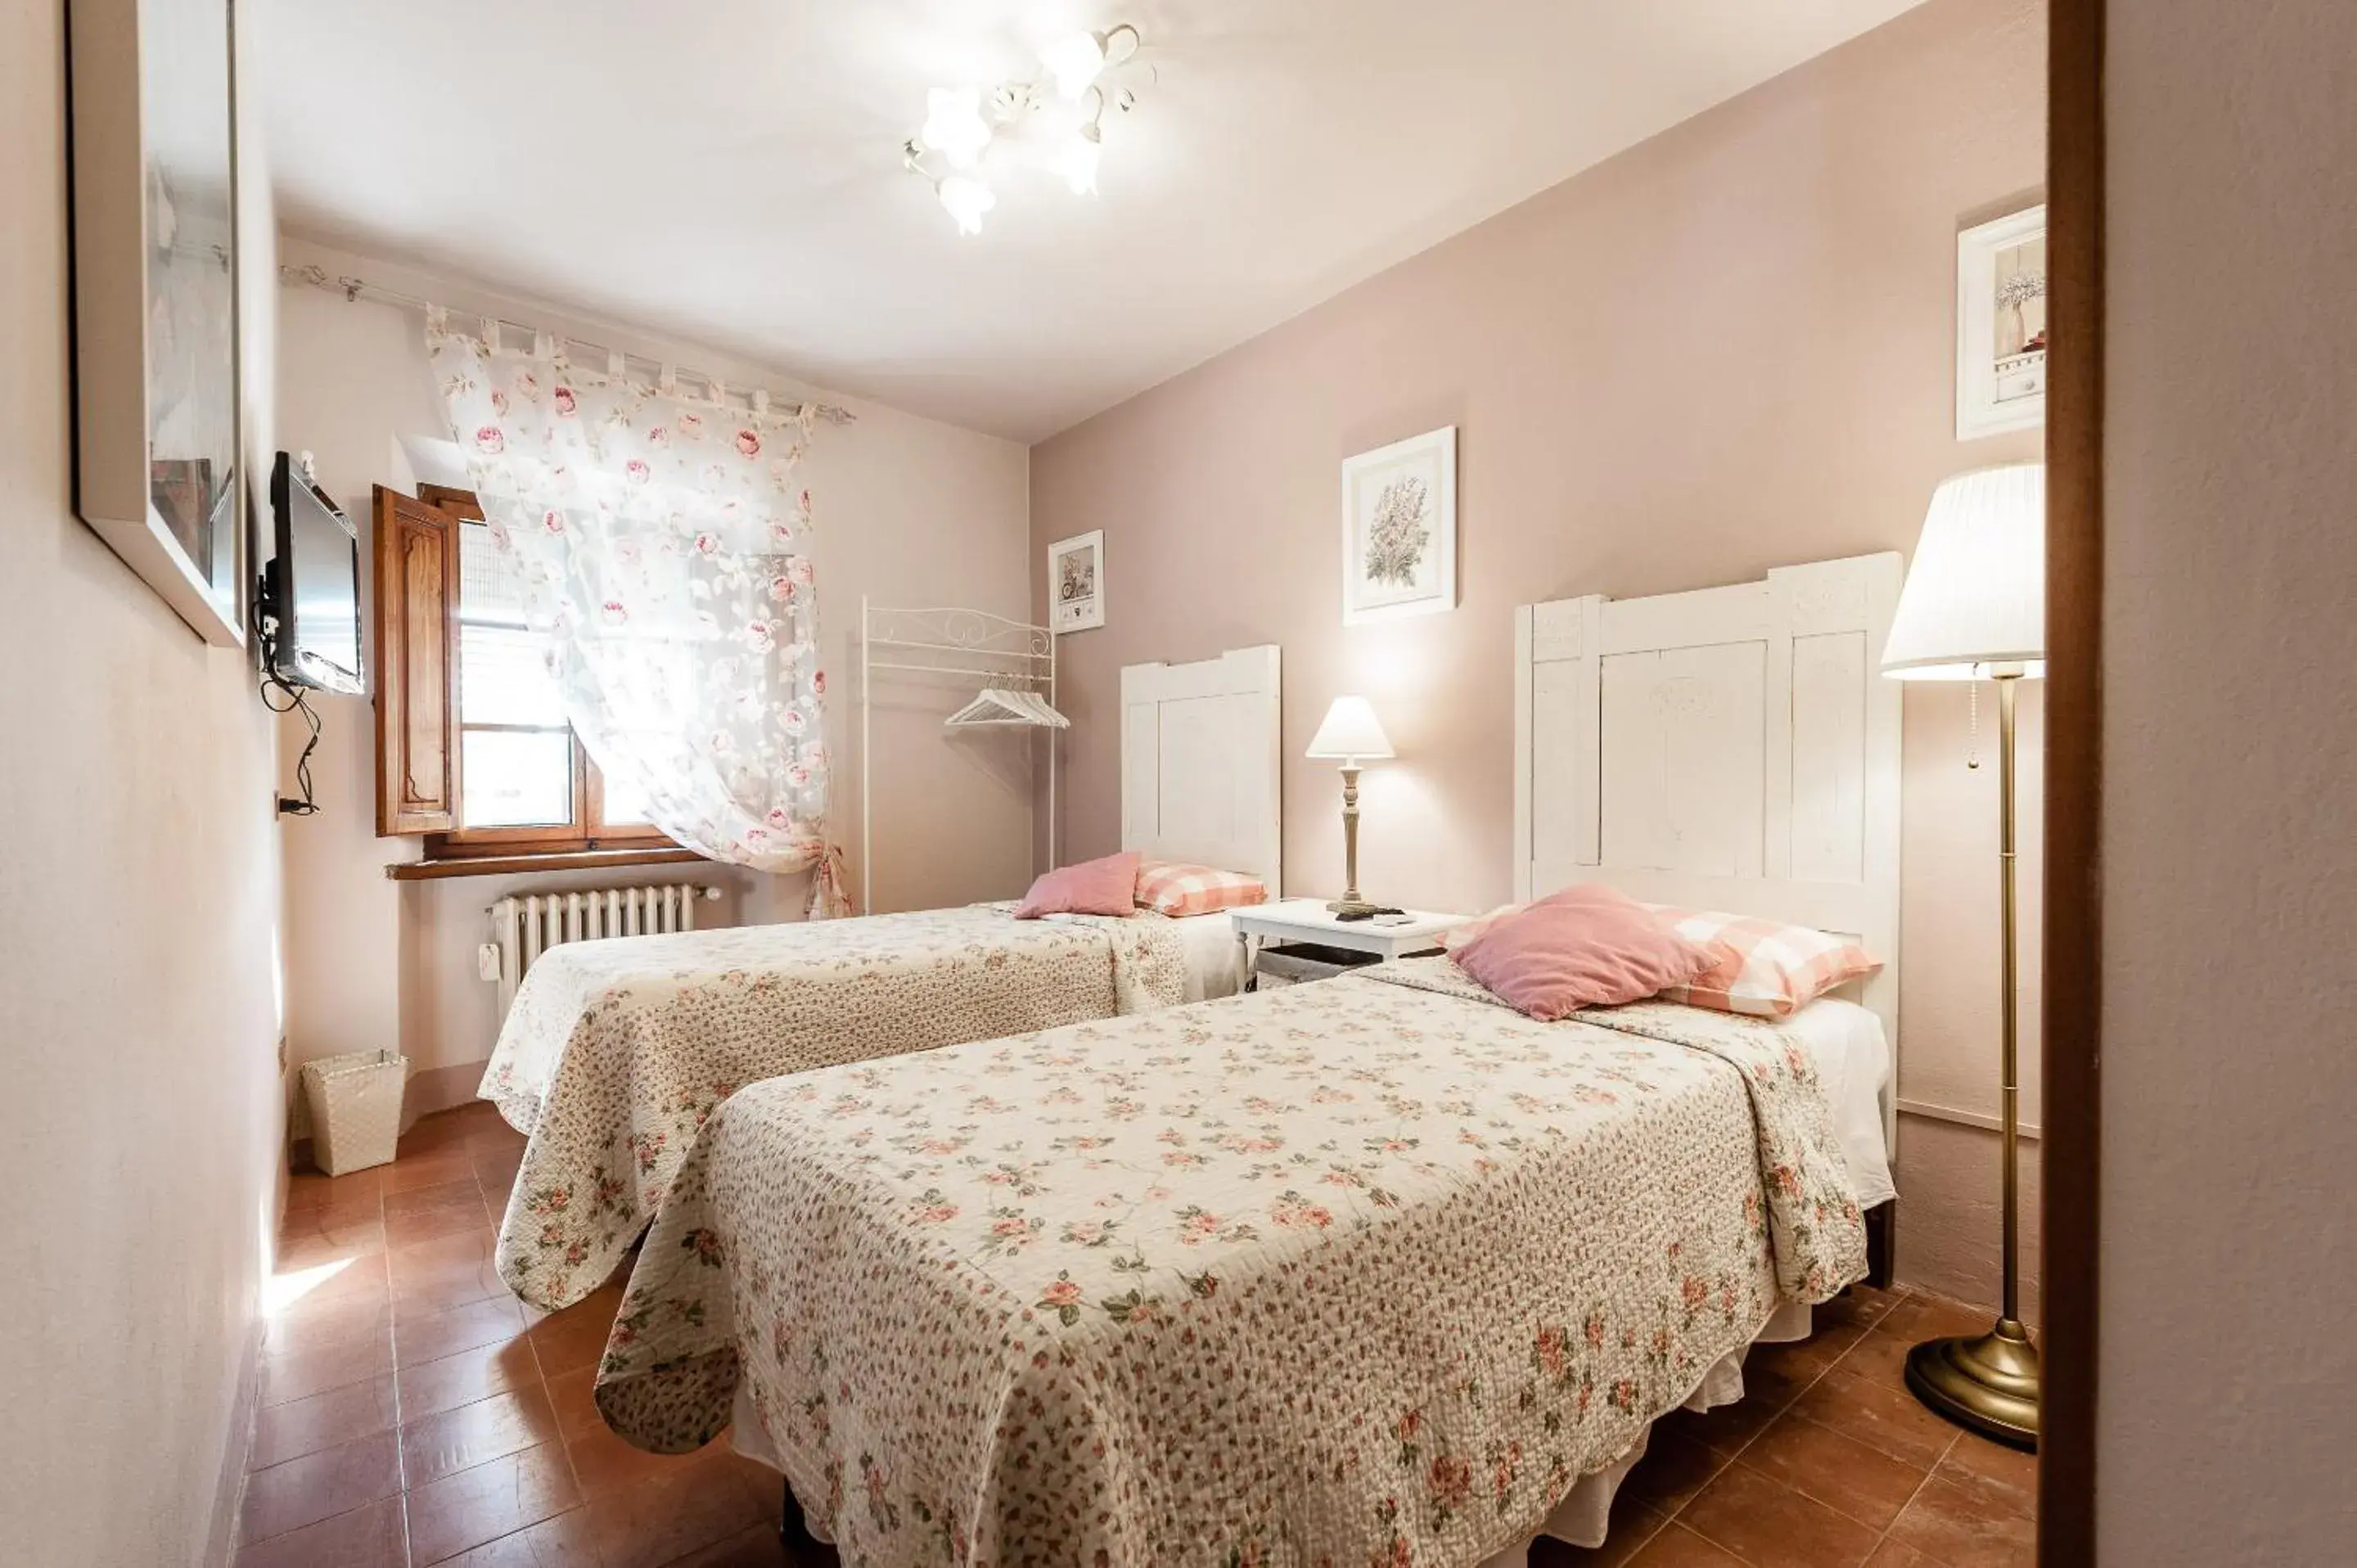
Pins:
x,y
1731,748
1201,763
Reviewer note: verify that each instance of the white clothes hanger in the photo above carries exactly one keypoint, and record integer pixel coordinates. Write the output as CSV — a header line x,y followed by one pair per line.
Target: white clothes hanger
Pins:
x,y
996,706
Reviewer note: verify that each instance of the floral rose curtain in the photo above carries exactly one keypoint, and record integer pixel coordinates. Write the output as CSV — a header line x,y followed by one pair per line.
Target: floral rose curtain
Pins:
x,y
663,540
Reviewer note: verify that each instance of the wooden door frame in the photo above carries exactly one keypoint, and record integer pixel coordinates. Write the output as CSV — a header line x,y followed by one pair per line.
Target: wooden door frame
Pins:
x,y
2070,1148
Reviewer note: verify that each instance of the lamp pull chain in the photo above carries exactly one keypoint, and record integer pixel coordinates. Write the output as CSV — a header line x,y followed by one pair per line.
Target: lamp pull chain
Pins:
x,y
1973,746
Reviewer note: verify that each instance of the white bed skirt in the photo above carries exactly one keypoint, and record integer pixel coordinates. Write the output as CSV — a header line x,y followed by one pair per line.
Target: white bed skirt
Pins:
x,y
1579,1519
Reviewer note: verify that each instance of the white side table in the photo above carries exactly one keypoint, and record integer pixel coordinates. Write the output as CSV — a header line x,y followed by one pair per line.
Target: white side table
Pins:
x,y
1307,920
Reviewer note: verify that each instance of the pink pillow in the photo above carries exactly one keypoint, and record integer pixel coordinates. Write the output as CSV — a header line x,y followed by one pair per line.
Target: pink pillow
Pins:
x,y
1107,887
1584,947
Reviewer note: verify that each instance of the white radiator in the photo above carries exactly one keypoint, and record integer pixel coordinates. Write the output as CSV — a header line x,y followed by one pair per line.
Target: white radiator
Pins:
x,y
523,928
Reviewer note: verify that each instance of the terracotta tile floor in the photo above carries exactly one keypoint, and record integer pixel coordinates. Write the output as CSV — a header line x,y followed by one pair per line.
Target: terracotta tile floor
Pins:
x,y
414,1413
1828,1461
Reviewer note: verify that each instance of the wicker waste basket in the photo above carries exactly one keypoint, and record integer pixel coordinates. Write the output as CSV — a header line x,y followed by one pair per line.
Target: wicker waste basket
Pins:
x,y
355,1102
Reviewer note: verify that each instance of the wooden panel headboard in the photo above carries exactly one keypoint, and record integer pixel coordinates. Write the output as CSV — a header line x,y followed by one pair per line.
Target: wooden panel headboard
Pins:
x,y
1731,748
1201,763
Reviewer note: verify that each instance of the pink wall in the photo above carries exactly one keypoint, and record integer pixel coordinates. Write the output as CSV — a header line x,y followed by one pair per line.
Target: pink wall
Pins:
x,y
2229,1374
1727,348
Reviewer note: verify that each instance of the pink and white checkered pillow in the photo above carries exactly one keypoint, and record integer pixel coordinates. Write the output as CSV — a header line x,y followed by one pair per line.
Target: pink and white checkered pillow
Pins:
x,y
1765,968
1456,936
1175,889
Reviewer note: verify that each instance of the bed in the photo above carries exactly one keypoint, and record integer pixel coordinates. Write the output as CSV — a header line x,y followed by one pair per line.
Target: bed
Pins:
x,y
1370,1269
615,1052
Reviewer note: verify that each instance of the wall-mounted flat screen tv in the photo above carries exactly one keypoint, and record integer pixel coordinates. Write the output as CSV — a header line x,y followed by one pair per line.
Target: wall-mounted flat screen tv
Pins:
x,y
314,587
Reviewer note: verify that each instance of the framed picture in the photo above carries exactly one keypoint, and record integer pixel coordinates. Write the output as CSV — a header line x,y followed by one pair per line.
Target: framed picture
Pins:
x,y
1399,529
154,172
1076,582
2001,325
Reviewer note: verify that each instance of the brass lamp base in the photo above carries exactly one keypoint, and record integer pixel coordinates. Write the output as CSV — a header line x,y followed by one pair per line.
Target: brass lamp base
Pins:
x,y
1986,1383
1353,907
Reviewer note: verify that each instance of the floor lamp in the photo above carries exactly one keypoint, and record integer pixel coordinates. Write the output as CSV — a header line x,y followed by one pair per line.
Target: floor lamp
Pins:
x,y
1974,608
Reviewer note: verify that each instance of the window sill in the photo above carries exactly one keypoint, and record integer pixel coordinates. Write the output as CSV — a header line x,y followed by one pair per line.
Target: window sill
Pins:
x,y
512,864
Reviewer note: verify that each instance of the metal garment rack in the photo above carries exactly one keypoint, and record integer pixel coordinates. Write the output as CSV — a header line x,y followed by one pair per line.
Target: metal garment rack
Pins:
x,y
949,641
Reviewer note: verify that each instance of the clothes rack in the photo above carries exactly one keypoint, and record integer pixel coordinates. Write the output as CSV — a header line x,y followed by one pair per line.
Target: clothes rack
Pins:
x,y
1014,660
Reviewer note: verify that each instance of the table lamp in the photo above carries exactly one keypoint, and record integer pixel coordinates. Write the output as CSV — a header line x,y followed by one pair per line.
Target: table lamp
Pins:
x,y
1975,609
1350,735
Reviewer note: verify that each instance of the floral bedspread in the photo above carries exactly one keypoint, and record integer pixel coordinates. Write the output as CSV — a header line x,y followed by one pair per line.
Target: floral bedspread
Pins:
x,y
615,1052
1366,1271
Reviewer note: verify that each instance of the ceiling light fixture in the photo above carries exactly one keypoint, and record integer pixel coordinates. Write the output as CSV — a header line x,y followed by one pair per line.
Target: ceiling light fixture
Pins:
x,y
1077,161
955,126
965,124
967,199
1076,62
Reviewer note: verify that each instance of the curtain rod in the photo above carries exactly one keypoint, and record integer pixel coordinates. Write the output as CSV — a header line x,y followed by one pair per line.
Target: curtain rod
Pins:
x,y
355,289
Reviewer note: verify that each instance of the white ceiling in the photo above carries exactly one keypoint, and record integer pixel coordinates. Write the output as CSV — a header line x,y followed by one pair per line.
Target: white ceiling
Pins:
x,y
728,170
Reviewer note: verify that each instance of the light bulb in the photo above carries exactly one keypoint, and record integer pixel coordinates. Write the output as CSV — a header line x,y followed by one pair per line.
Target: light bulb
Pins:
x,y
955,126
1077,161
1074,61
967,199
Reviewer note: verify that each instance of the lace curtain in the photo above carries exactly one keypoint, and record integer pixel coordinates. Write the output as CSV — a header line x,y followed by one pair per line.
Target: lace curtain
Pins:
x,y
662,544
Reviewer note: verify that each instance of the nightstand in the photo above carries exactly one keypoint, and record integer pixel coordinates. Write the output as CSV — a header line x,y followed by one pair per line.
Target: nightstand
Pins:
x,y
1298,939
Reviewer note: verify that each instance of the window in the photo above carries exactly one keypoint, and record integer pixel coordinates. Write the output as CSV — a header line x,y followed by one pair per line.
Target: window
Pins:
x,y
512,778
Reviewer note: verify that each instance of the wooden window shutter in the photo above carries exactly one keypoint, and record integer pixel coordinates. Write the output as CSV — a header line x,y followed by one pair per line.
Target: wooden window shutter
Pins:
x,y
460,504
417,666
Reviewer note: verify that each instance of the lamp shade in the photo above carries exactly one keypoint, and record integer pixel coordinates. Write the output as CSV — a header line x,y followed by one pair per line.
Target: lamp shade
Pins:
x,y
1074,61
1976,593
1350,732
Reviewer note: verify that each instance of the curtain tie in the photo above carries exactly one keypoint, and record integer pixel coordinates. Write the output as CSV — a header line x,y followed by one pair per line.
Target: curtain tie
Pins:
x,y
830,886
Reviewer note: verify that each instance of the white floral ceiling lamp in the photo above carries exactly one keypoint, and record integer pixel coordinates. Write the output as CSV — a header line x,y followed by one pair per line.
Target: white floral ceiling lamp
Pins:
x,y
1076,62
955,126
967,199
1076,160
1023,121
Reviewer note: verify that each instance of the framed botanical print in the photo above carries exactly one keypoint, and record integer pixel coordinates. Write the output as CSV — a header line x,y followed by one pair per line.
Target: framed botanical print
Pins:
x,y
1076,587
2001,325
1399,529
157,471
